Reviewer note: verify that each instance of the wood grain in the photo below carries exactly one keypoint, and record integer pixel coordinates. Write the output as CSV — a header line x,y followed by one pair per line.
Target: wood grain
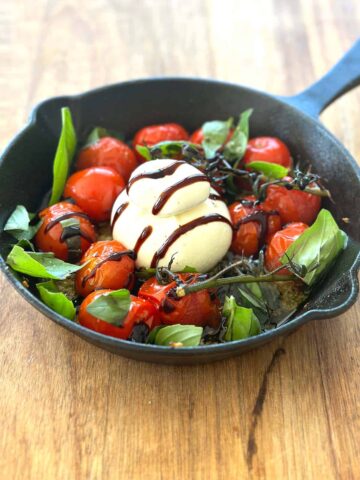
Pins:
x,y
69,410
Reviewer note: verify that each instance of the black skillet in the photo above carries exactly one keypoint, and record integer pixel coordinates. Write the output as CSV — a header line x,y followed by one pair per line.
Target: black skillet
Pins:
x,y
26,171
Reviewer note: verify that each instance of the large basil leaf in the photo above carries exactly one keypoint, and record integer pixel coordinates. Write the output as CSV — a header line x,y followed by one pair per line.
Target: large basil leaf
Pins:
x,y
270,170
40,265
63,156
176,335
215,134
112,307
18,224
235,148
241,322
56,300
316,248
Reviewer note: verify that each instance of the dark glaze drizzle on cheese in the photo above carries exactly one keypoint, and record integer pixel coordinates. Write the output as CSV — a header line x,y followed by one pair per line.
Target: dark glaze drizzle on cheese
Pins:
x,y
187,227
167,194
215,196
118,212
159,173
143,236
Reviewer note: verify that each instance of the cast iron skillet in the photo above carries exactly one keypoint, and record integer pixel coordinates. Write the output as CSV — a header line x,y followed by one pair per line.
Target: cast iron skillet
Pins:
x,y
26,171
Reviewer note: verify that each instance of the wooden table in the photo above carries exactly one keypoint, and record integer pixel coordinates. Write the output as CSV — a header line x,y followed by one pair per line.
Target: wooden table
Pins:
x,y
72,411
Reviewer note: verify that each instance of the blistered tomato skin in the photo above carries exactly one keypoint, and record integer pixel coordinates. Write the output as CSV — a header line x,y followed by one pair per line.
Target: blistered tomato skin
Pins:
x,y
279,243
95,190
108,152
200,308
154,134
249,237
49,237
110,266
267,149
140,311
292,205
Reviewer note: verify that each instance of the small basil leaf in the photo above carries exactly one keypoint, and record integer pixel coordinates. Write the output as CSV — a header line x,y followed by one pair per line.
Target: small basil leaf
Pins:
x,y
111,307
235,148
317,247
100,132
25,244
40,265
170,148
177,335
56,300
63,156
18,224
71,235
215,134
144,151
241,322
270,170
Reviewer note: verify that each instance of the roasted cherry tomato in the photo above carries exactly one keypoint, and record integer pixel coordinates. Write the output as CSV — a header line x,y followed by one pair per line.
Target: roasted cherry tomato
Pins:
x,y
253,226
267,149
140,311
198,136
108,152
65,244
199,308
292,205
279,243
154,134
95,190
110,265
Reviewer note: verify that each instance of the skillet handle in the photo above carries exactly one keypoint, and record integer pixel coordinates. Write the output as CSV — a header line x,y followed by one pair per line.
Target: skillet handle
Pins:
x,y
344,76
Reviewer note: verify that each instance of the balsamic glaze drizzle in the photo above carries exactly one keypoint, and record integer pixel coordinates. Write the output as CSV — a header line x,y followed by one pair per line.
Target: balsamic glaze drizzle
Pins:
x,y
143,236
64,217
167,194
261,217
159,173
114,257
118,212
187,227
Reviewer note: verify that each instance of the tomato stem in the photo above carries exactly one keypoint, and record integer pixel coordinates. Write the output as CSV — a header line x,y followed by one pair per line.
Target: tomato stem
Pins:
x,y
183,290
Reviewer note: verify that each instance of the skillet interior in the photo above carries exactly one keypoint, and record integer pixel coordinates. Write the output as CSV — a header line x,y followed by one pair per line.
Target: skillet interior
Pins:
x,y
26,171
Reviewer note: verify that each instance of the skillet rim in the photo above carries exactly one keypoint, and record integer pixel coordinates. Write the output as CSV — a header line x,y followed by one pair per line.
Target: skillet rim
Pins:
x,y
120,345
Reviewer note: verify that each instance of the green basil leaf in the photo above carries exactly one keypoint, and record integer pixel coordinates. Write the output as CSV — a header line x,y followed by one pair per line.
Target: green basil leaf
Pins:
x,y
18,224
241,322
215,134
40,265
144,151
152,335
56,300
25,244
270,170
186,335
64,154
235,148
70,222
111,307
98,133
166,149
317,247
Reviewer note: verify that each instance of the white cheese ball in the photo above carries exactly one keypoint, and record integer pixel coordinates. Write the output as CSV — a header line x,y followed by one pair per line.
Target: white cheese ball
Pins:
x,y
199,226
